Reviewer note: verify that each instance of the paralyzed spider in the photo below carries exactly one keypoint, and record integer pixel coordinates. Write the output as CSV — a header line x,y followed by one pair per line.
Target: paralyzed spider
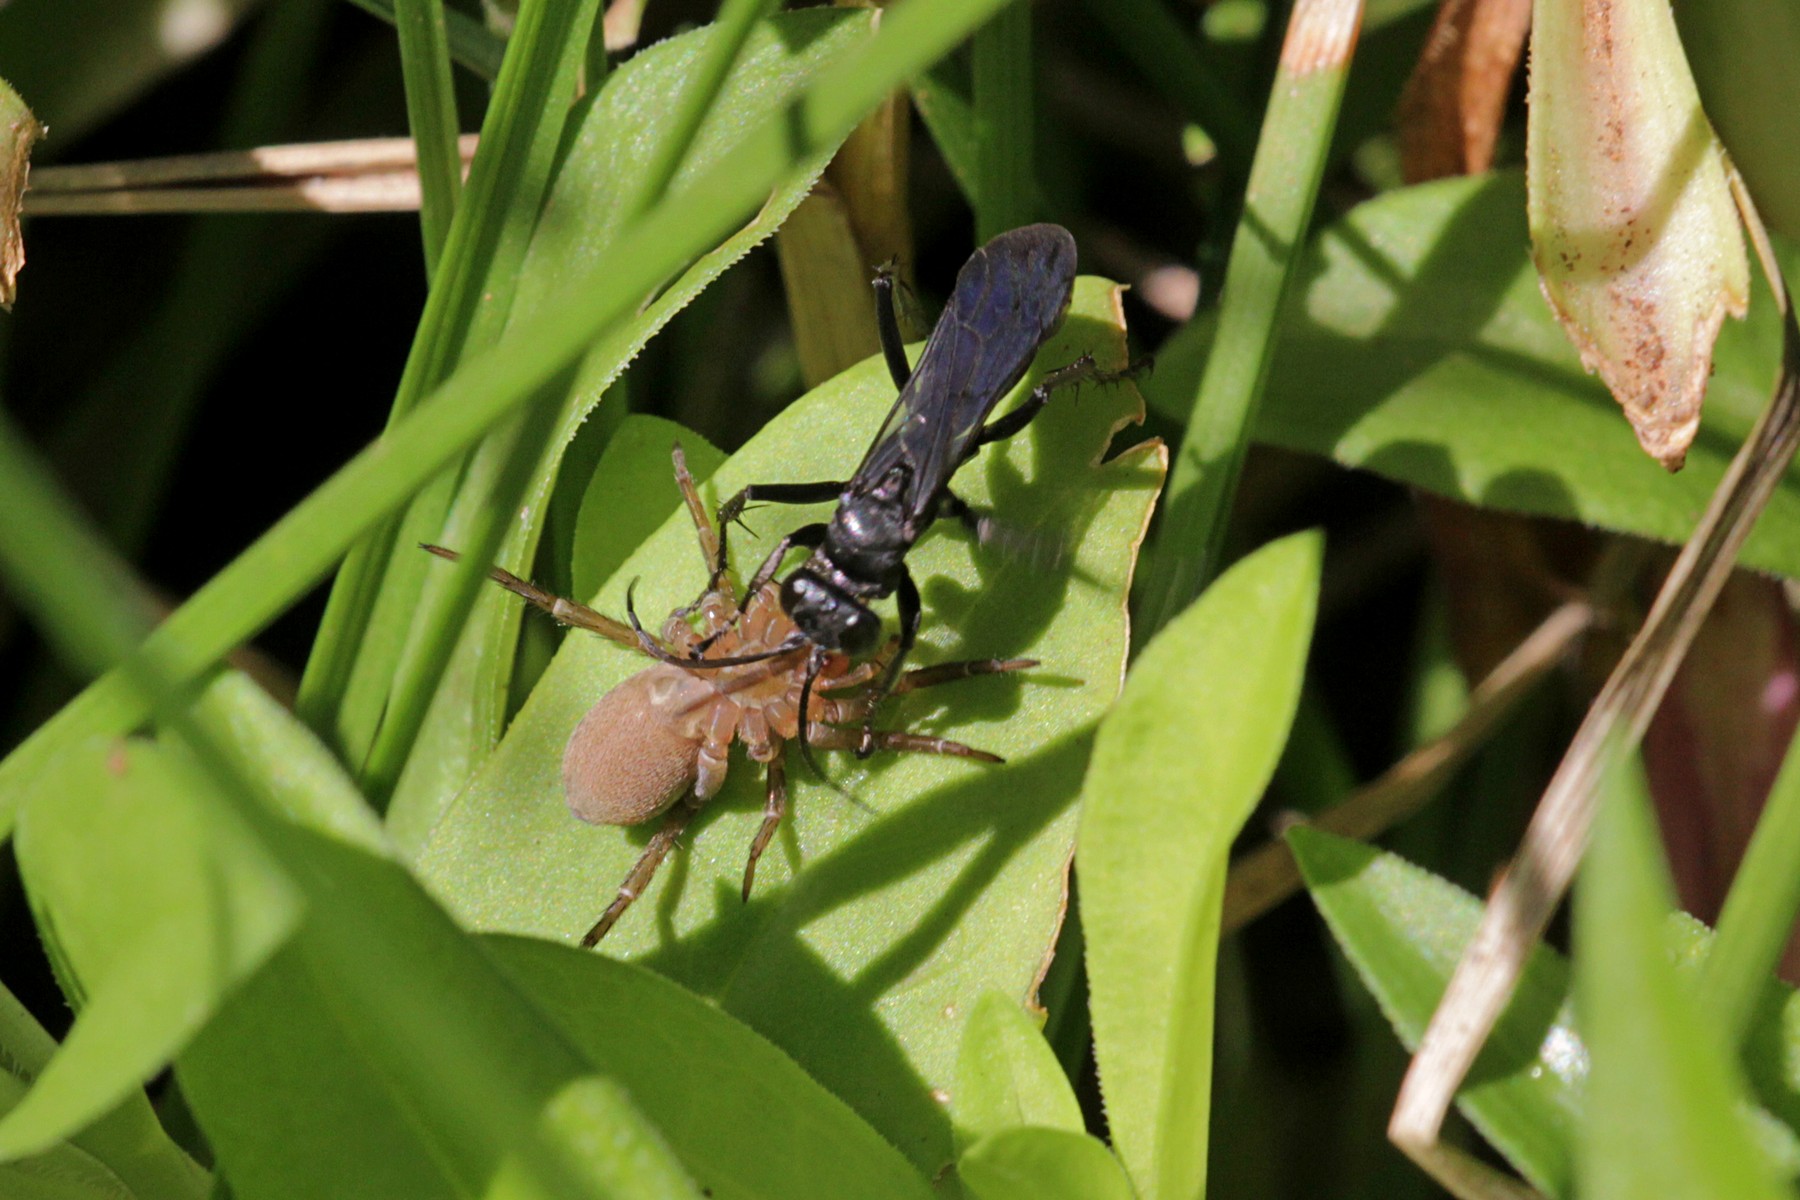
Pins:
x,y
664,735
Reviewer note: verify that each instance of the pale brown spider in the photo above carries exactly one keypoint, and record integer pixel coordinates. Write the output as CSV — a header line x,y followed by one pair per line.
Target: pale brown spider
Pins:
x,y
665,734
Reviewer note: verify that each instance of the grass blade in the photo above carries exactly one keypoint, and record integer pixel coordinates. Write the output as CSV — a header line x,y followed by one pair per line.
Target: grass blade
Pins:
x,y
302,546
1284,183
431,111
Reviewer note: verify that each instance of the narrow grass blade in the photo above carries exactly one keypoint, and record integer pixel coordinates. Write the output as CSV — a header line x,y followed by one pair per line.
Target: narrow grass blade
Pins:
x,y
300,548
1758,917
1284,183
431,111
1005,195
472,45
350,671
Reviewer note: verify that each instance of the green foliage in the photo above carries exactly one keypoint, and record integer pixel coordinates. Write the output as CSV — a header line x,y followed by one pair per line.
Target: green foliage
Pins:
x,y
974,855
1664,1109
1418,346
329,953
1175,772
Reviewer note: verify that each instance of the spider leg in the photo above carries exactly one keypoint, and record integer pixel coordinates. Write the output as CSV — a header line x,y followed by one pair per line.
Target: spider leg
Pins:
x,y
642,871
717,579
828,737
643,641
774,808
579,616
950,672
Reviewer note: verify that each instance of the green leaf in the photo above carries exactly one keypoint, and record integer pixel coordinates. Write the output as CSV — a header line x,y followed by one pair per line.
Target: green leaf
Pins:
x,y
123,1153
1665,1110
596,1117
1007,1075
1178,765
612,140
1042,1164
369,689
743,1118
464,1055
489,389
1420,348
191,905
1264,267
297,1110
629,497
1403,930
944,880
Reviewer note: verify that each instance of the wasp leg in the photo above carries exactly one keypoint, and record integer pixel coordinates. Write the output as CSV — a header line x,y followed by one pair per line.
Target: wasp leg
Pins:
x,y
774,808
773,493
1082,370
807,537
887,325
643,871
911,610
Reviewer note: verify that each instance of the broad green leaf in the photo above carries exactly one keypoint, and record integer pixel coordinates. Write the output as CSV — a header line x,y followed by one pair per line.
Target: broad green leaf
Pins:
x,y
1007,1076
298,1109
1665,1106
1419,347
744,1120
1042,1164
581,221
489,389
290,1105
124,1153
1178,765
943,879
629,497
1740,51
305,780
596,1115
1404,930
382,1052
189,906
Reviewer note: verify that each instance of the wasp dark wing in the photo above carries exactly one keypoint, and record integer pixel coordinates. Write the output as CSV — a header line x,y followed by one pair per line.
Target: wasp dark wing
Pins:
x,y
1010,296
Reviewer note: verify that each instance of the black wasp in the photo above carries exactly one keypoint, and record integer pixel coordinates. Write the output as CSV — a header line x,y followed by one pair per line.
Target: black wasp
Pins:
x,y
1010,298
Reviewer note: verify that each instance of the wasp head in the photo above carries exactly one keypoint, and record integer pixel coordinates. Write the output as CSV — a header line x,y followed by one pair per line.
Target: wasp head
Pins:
x,y
830,617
